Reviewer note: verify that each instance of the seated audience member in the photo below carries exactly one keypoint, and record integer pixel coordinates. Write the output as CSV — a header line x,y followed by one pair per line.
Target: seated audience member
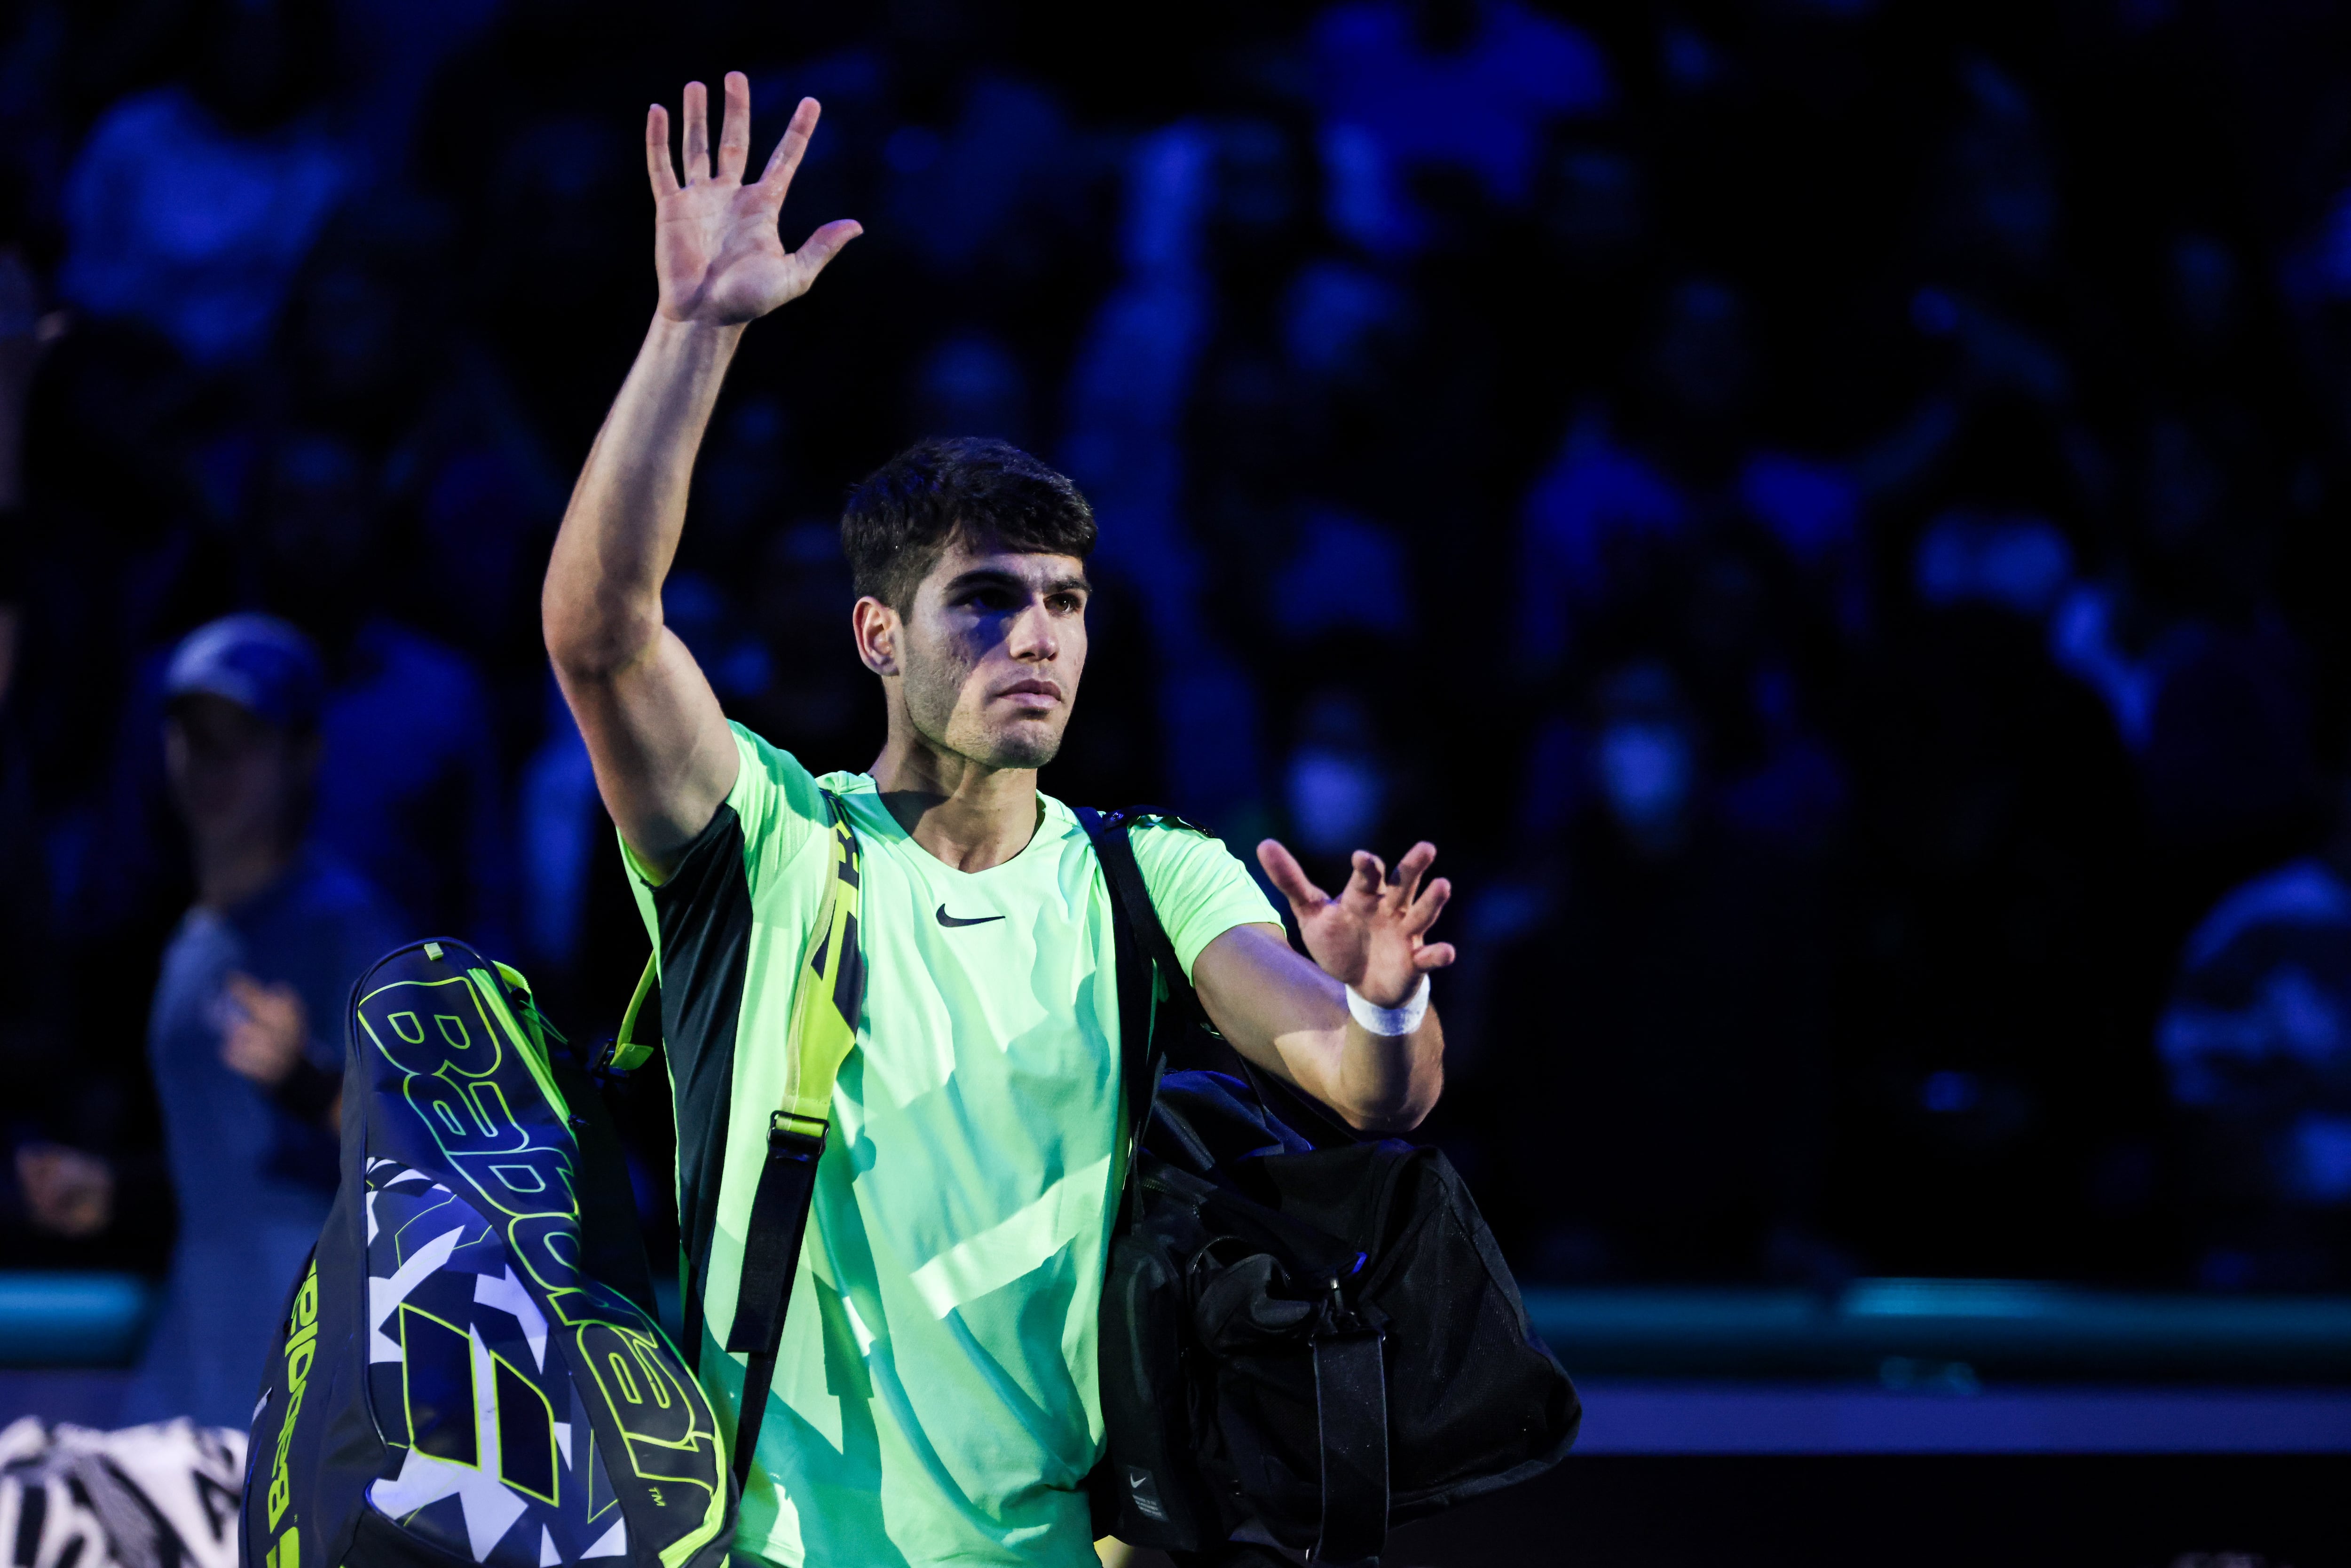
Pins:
x,y
2257,1044
242,1031
408,791
190,205
1661,1119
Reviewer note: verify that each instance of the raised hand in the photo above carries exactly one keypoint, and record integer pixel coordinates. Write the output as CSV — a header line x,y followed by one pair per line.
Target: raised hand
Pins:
x,y
1371,936
715,248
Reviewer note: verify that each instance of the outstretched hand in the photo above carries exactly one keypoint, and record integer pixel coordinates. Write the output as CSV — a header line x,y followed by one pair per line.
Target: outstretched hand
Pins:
x,y
716,249
1371,936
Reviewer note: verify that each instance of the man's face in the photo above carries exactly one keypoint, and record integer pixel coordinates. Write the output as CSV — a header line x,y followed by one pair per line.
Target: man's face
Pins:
x,y
990,650
234,775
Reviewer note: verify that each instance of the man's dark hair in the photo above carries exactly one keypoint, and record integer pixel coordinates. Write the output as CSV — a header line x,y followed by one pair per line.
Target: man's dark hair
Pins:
x,y
901,518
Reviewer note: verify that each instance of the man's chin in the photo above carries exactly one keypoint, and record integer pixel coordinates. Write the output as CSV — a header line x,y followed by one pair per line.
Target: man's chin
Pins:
x,y
1023,745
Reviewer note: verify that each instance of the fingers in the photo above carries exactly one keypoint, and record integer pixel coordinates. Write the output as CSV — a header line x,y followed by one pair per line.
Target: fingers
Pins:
x,y
1396,891
657,163
1281,868
785,161
1436,956
276,1007
1404,880
259,997
825,244
1423,912
735,129
1391,887
697,110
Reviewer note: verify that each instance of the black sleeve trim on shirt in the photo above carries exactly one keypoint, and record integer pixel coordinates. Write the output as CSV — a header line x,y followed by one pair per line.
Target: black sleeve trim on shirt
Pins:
x,y
704,913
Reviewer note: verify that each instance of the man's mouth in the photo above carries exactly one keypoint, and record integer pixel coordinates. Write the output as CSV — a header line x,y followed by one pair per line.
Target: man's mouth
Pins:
x,y
1032,694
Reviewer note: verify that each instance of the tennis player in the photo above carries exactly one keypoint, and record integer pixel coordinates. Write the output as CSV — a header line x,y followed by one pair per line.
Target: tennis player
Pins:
x,y
935,1397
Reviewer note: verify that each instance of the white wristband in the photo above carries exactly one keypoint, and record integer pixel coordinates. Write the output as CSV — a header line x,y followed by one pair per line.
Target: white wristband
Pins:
x,y
1390,1021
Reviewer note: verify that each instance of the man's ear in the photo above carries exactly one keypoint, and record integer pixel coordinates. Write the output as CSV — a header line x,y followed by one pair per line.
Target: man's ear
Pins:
x,y
877,628
175,747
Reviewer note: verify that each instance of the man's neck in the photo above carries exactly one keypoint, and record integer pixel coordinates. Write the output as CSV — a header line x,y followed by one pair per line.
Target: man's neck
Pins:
x,y
967,815
233,872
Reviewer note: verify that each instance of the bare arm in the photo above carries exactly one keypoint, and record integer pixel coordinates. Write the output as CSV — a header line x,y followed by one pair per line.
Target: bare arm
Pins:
x,y
664,759
1290,1016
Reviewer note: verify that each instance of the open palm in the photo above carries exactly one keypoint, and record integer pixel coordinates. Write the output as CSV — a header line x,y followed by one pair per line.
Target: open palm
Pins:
x,y
716,249
1374,936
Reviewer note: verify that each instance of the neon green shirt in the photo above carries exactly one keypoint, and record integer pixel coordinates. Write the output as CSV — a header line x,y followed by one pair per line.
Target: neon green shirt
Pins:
x,y
935,1397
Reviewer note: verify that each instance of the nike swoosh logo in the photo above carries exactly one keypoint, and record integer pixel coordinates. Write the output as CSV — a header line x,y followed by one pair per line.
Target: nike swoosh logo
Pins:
x,y
950,920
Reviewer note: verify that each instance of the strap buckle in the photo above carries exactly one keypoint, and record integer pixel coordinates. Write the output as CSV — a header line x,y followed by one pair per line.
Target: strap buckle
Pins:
x,y
614,1060
794,1138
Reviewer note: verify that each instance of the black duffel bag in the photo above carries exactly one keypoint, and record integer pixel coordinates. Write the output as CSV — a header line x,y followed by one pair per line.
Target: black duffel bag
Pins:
x,y
1305,1339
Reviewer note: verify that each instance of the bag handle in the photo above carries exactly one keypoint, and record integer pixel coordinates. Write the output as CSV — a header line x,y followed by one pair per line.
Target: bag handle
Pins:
x,y
825,1005
623,1053
1351,1412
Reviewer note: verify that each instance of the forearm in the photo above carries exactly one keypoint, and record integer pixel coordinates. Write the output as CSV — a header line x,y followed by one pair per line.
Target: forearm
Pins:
x,y
656,734
601,606
1286,1015
1378,1084
1391,1083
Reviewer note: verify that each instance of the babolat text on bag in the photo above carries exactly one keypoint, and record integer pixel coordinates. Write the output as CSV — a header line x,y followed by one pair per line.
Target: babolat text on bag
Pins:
x,y
470,1371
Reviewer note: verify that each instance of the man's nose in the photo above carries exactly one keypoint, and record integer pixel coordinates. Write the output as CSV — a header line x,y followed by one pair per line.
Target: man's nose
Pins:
x,y
1033,637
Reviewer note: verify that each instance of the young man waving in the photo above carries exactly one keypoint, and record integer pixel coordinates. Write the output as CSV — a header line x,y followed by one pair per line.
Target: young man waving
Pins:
x,y
934,1398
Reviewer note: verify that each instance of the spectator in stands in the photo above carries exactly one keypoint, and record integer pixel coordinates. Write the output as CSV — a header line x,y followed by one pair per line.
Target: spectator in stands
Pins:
x,y
409,791
31,1017
190,205
1998,911
244,1022
2257,1045
1466,88
1659,1099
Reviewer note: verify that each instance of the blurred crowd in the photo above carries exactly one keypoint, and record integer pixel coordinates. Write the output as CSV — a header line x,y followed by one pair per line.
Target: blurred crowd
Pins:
x,y
1828,513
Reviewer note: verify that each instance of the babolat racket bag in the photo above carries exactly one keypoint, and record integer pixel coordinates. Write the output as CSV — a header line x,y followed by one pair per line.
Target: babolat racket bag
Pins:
x,y
470,1371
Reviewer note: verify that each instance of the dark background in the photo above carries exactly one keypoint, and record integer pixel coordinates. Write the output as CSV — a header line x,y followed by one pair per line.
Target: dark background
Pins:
x,y
1830,514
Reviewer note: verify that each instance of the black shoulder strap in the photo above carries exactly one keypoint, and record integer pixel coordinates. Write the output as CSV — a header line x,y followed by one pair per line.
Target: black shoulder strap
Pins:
x,y
1137,1058
1349,1376
1141,948
1321,1125
1133,898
